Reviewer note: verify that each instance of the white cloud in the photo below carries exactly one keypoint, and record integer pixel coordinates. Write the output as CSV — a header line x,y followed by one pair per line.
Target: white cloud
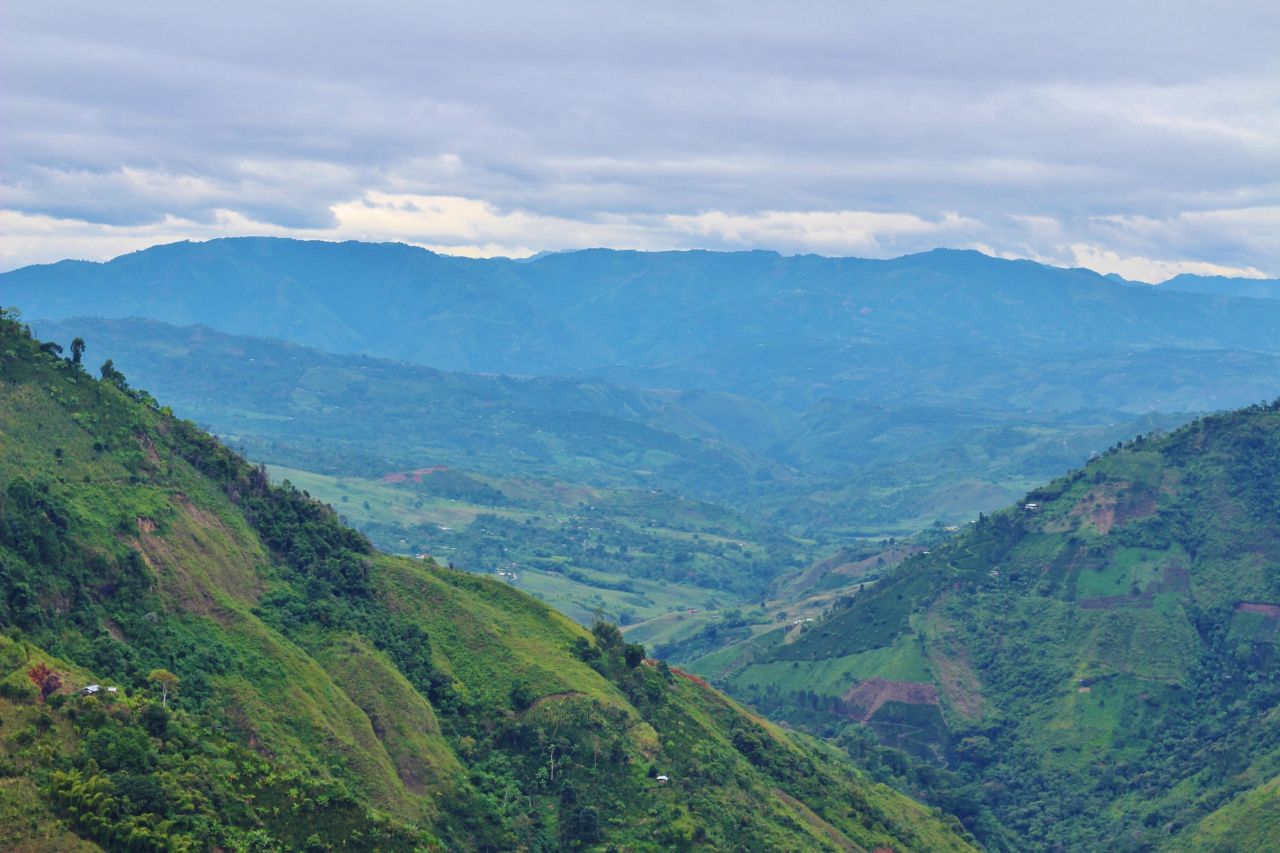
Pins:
x,y
1136,136
475,228
1150,270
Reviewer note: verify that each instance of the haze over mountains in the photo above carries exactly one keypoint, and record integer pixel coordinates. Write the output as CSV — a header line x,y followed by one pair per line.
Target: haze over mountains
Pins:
x,y
832,396
787,330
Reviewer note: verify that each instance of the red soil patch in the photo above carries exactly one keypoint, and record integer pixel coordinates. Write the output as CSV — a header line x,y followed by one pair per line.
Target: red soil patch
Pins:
x,y
1101,511
866,697
1138,506
1112,505
688,676
415,475
1272,610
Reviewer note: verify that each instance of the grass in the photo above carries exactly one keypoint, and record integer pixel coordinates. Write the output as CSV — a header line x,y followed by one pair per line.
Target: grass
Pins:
x,y
834,676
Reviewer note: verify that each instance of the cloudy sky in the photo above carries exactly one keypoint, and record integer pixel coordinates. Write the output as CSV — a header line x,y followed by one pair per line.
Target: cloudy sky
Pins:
x,y
1133,137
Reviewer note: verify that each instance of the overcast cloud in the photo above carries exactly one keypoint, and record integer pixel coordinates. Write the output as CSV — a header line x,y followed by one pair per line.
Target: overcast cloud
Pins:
x,y
1141,138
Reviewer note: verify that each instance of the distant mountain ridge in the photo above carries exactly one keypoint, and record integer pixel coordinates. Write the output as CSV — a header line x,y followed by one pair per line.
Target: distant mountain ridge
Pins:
x,y
790,329
1252,288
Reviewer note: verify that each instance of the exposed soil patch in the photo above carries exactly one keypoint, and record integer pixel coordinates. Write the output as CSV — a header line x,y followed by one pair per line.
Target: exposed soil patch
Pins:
x,y
688,676
1134,506
1098,507
1112,505
196,540
1272,610
149,450
865,698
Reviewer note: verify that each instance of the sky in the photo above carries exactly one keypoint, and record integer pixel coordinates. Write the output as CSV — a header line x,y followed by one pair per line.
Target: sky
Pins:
x,y
1141,138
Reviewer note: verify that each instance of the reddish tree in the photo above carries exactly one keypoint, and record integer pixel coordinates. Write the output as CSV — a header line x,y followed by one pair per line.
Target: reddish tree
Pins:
x,y
44,678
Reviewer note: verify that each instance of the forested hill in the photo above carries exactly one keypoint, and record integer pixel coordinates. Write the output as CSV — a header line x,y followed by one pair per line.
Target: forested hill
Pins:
x,y
192,659
1097,666
787,329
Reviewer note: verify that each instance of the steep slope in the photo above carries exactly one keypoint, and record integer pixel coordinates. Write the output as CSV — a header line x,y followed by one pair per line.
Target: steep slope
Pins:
x,y
1097,665
267,681
790,330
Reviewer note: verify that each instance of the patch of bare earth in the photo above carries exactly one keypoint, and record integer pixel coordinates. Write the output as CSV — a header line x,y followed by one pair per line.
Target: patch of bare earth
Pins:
x,y
1135,505
1098,507
170,556
1110,505
149,451
1272,610
866,697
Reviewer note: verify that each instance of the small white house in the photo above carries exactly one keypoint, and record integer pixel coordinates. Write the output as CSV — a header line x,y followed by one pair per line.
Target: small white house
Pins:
x,y
91,689
662,780
113,689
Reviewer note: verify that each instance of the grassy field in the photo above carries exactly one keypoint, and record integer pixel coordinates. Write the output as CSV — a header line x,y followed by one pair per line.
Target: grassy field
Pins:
x,y
623,555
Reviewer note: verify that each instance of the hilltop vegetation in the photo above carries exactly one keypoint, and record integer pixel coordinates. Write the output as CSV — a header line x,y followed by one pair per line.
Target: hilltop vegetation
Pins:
x,y
280,685
1094,667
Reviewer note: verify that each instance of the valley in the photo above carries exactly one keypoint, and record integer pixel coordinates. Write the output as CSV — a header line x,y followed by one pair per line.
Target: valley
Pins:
x,y
640,427
877,566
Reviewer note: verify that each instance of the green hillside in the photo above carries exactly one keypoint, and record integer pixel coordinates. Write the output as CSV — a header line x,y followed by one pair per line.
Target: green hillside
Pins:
x,y
1095,667
267,681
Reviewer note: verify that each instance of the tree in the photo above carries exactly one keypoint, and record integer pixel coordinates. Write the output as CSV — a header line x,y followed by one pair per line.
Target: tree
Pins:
x,y
522,695
44,678
77,350
582,827
51,348
112,375
166,681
